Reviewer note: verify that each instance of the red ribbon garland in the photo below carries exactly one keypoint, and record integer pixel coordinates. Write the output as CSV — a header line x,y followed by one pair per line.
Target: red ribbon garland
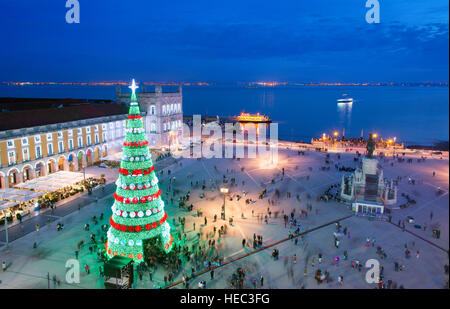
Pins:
x,y
134,117
136,200
135,144
137,228
145,172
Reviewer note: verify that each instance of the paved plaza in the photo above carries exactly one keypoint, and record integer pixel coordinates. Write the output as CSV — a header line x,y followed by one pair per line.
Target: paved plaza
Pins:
x,y
30,267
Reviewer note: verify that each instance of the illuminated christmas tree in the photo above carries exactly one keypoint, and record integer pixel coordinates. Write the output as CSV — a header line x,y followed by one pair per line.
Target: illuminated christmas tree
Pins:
x,y
138,210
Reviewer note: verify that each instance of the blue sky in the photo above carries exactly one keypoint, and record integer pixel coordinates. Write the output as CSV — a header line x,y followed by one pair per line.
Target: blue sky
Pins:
x,y
224,41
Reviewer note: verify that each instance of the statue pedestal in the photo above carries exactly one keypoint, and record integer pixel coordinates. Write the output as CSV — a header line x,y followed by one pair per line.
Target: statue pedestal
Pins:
x,y
369,166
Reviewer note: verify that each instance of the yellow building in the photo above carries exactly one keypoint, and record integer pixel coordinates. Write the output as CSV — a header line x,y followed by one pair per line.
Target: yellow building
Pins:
x,y
37,141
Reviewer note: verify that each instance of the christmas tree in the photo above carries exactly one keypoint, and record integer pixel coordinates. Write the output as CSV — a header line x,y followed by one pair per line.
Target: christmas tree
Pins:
x,y
138,210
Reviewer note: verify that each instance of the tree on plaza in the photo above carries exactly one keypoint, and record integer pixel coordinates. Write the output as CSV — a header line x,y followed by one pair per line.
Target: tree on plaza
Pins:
x,y
138,210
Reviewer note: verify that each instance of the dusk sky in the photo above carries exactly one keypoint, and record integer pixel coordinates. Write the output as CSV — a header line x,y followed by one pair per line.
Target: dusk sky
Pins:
x,y
224,41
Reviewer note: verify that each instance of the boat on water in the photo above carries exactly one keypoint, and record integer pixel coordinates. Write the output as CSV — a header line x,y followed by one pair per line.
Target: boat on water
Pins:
x,y
345,101
254,118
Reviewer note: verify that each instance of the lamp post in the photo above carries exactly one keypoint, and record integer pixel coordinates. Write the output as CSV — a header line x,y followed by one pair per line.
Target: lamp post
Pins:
x,y
224,191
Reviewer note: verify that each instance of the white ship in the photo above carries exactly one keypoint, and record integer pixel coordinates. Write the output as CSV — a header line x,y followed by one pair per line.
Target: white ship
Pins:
x,y
345,100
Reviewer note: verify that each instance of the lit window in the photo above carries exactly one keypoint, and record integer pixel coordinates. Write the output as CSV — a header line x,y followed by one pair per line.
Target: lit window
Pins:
x,y
25,154
50,149
12,157
38,152
60,146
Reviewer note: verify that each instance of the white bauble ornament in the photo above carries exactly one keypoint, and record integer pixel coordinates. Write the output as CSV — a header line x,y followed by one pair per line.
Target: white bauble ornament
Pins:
x,y
131,242
148,212
132,186
140,186
140,214
132,214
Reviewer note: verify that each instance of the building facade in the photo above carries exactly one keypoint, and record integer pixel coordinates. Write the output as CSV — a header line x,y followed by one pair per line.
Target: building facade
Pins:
x,y
37,151
36,142
162,114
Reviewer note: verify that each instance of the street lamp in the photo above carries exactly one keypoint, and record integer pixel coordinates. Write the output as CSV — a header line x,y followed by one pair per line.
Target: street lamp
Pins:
x,y
374,135
224,191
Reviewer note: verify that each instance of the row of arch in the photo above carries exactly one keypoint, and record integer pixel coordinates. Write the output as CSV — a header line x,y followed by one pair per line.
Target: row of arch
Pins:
x,y
73,161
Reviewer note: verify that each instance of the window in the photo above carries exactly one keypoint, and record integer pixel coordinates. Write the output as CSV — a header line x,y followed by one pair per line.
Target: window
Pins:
x,y
60,134
37,139
25,154
10,143
70,133
79,131
12,157
70,144
179,107
80,141
88,129
104,126
111,125
118,124
60,146
88,140
152,110
96,138
164,110
25,141
153,127
124,123
49,149
49,137
38,152
104,136
164,127
96,128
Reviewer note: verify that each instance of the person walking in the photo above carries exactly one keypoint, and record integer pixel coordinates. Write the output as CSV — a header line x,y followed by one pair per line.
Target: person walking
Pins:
x,y
262,281
294,259
4,266
212,274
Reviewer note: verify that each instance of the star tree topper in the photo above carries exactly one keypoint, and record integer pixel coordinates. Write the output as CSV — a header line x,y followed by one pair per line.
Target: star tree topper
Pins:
x,y
133,88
